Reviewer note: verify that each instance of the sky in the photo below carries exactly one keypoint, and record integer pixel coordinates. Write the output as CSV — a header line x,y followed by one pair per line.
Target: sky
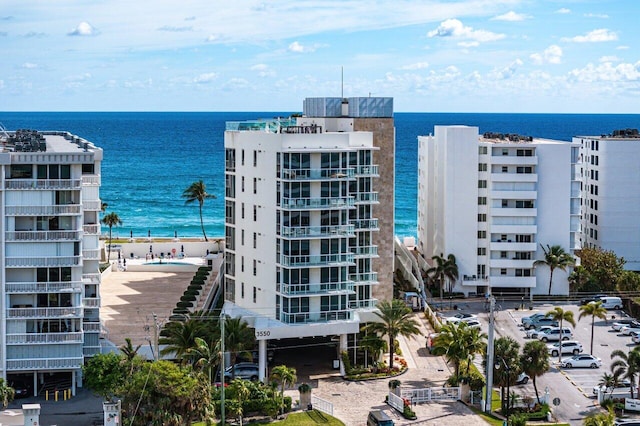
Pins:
x,y
530,56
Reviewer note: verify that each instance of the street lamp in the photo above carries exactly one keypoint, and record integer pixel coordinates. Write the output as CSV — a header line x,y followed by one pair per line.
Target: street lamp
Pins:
x,y
508,370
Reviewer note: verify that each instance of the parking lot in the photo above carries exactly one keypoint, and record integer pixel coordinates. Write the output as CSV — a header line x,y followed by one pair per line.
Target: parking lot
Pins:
x,y
574,387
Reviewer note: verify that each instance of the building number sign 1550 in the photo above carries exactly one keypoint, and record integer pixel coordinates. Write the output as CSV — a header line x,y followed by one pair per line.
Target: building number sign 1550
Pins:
x,y
263,333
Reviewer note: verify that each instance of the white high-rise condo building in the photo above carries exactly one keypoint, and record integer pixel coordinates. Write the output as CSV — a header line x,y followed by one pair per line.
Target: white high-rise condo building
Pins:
x,y
50,203
492,201
309,219
611,193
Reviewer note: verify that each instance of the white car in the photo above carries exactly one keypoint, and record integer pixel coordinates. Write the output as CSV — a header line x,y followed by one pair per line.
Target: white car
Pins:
x,y
623,386
635,337
568,347
460,317
581,360
533,333
522,379
627,329
553,335
617,326
474,323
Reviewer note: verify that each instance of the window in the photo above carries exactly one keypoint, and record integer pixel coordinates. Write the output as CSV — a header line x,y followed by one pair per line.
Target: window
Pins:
x,y
524,153
482,234
88,169
255,185
482,167
242,237
505,169
503,271
482,150
255,158
524,204
242,157
482,217
242,187
242,264
595,234
480,269
482,251
255,240
255,267
503,255
242,290
524,169
255,294
505,203
255,213
505,151
242,211
482,184
482,201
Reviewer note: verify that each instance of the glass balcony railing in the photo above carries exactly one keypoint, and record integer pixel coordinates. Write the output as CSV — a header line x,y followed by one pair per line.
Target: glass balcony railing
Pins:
x,y
67,312
317,203
370,224
363,304
35,338
371,170
366,197
55,210
31,262
317,231
367,277
48,287
317,174
316,317
42,183
317,259
365,250
317,288
42,235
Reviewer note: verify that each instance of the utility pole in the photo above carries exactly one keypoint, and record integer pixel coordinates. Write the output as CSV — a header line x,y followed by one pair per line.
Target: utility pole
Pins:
x,y
156,337
222,368
490,355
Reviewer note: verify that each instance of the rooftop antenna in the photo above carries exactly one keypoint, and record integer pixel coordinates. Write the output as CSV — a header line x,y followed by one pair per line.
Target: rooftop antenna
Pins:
x,y
342,82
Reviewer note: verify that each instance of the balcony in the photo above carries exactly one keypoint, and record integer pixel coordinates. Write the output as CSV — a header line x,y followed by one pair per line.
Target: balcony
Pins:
x,y
511,245
44,364
91,229
507,160
91,302
42,236
514,229
91,327
91,350
508,211
514,177
512,281
34,262
315,317
41,338
54,210
371,170
23,184
369,251
366,197
317,231
92,205
317,203
345,259
318,288
363,304
317,174
368,224
68,312
364,278
514,195
91,254
91,180
511,263
91,278
47,287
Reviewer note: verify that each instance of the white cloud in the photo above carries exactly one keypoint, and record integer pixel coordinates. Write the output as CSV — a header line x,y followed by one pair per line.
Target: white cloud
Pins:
x,y
33,34
415,66
606,71
236,83
296,47
77,77
563,10
205,78
510,16
594,36
508,71
550,55
263,70
1,84
29,65
83,29
622,48
611,58
596,15
172,29
456,29
213,37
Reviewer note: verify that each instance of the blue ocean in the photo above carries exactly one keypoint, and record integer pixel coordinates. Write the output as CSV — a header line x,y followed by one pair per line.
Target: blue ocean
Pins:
x,y
150,158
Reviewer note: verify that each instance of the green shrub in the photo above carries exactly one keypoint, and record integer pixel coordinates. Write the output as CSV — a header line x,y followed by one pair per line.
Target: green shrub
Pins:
x,y
187,298
346,362
270,408
180,311
287,401
519,419
408,413
182,304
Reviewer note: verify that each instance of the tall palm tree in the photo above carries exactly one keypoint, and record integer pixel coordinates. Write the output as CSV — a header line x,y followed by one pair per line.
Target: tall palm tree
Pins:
x,y
197,191
112,219
444,269
128,350
238,338
205,356
395,320
609,381
507,366
374,344
180,336
535,361
452,345
285,377
476,343
241,390
627,366
594,310
561,316
555,258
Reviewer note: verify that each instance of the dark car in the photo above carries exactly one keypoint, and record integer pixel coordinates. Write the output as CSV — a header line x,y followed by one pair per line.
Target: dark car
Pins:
x,y
589,299
22,389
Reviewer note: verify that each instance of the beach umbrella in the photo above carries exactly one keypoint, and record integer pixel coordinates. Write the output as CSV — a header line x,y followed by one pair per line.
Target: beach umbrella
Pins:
x,y
175,234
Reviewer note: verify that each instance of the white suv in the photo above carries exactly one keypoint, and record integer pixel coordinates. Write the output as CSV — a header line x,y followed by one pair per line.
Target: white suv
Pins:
x,y
566,347
553,335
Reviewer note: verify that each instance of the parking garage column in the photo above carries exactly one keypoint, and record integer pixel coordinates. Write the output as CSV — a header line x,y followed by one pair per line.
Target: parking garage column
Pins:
x,y
342,348
262,360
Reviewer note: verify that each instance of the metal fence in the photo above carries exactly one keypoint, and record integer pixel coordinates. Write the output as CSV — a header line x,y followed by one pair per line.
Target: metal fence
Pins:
x,y
322,405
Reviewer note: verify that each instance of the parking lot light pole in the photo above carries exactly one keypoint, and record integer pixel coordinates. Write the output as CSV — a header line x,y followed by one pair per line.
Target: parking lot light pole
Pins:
x,y
508,370
490,351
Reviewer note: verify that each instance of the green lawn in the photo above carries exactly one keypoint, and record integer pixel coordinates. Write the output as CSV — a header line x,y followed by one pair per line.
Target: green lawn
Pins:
x,y
306,418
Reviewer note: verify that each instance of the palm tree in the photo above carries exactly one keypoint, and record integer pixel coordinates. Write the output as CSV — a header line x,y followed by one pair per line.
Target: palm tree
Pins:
x,y
396,320
476,344
204,356
112,219
609,381
197,191
7,393
180,336
241,391
600,419
128,350
561,316
284,376
594,310
444,269
239,338
507,366
555,258
627,366
451,343
535,361
375,344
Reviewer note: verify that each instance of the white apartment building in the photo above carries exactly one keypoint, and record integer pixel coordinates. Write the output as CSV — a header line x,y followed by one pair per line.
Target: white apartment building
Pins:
x,y
309,219
50,203
492,201
611,193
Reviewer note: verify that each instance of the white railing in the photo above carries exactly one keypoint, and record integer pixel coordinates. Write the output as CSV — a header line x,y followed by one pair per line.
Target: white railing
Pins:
x,y
343,286
91,229
365,250
419,396
321,405
91,350
316,259
365,223
44,363
91,278
27,338
42,261
41,235
93,205
42,183
317,203
366,197
92,327
371,170
69,312
91,302
92,180
360,304
309,174
317,231
43,210
48,287
91,254
366,277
